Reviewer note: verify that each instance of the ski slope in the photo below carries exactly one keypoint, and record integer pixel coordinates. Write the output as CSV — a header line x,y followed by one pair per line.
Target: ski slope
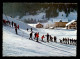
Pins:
x,y
20,45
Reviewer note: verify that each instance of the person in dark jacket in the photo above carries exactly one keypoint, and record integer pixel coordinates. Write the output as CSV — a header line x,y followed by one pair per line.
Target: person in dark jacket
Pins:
x,y
60,40
75,41
51,38
12,23
31,29
63,40
55,39
16,29
47,37
72,40
35,35
30,36
68,40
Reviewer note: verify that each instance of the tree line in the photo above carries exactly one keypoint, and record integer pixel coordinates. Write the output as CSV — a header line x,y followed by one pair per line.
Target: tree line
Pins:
x,y
13,9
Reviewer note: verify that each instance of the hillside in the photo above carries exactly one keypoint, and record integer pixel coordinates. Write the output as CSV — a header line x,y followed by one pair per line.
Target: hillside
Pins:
x,y
20,45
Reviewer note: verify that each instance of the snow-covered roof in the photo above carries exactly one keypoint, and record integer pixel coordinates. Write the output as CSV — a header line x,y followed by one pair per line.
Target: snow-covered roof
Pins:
x,y
70,22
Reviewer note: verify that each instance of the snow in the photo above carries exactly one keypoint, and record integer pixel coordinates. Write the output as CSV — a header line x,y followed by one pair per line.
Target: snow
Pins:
x,y
70,22
15,45
20,45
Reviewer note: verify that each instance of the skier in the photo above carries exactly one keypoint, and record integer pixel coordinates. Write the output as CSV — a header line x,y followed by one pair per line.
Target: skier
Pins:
x,y
68,40
42,38
47,37
12,23
51,38
30,36
37,35
4,22
55,39
60,40
31,29
63,40
72,40
16,29
27,29
18,26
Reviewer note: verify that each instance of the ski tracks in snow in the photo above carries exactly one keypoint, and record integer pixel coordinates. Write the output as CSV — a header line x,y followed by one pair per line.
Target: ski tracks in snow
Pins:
x,y
52,45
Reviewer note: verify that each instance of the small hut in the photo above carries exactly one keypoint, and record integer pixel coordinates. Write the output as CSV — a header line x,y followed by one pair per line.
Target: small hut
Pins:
x,y
39,25
72,25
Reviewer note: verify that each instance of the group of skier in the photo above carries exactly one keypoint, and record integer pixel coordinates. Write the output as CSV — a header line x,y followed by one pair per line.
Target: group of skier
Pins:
x,y
68,41
50,38
7,22
36,35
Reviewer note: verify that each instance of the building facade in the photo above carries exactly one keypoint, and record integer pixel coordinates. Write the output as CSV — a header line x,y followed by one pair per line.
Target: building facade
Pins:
x,y
39,25
60,24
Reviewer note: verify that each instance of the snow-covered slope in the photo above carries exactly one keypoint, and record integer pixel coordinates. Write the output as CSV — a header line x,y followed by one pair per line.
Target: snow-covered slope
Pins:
x,y
20,45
